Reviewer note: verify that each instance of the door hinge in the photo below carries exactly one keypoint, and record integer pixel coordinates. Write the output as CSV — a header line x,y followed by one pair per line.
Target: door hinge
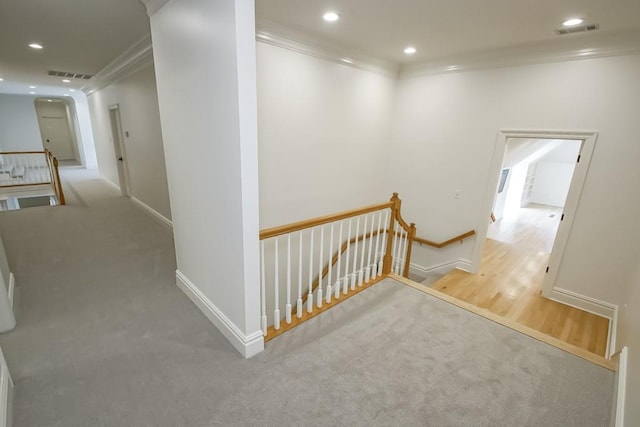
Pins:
x,y
562,217
547,270
578,161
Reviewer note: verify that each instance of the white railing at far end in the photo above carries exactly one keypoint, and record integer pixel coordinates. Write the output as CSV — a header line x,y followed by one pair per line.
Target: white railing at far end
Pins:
x,y
30,168
309,266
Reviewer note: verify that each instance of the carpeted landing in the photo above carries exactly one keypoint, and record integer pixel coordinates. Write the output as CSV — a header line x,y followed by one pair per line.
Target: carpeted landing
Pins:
x,y
105,338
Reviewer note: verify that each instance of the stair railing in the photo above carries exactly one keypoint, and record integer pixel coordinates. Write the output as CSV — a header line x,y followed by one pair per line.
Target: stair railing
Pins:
x,y
30,168
360,247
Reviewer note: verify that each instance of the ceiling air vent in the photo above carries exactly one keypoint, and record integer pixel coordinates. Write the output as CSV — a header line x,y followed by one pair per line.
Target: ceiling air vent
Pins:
x,y
578,29
70,75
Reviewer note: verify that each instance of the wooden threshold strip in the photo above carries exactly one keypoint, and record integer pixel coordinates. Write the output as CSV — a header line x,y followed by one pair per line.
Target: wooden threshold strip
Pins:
x,y
295,321
569,348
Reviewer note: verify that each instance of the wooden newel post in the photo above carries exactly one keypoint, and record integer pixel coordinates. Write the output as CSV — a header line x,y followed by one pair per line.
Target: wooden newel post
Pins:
x,y
407,261
388,258
58,183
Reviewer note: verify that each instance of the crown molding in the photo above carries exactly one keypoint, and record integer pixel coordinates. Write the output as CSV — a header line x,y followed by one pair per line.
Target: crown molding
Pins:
x,y
136,57
569,48
270,33
154,5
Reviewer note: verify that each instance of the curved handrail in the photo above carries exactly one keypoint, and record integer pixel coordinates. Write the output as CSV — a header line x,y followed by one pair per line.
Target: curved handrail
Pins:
x,y
446,242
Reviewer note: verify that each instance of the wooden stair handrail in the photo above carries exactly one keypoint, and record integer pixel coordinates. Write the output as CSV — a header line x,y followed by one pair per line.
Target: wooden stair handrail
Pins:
x,y
446,242
22,152
314,222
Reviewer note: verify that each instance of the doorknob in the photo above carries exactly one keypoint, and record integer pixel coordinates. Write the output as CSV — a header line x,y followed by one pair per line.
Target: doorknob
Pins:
x,y
120,158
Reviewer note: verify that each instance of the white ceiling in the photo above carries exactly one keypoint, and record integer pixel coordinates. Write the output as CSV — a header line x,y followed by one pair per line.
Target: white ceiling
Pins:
x,y
80,36
85,35
442,28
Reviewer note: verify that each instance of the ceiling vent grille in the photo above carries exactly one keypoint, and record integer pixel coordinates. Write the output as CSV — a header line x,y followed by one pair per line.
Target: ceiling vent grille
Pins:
x,y
70,75
579,29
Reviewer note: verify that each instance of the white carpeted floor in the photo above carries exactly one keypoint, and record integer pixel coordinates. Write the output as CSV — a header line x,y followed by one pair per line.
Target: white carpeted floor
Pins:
x,y
105,338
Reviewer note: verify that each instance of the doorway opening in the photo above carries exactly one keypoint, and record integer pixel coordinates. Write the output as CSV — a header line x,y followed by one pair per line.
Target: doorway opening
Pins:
x,y
119,149
58,130
534,183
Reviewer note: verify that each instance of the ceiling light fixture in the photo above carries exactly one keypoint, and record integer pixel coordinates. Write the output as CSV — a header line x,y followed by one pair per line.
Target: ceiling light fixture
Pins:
x,y
410,50
32,93
331,17
347,60
37,46
49,100
1,79
66,81
573,22
32,87
72,90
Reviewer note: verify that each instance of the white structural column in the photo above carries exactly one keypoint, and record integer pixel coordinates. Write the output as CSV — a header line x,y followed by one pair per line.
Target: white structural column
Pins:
x,y
205,63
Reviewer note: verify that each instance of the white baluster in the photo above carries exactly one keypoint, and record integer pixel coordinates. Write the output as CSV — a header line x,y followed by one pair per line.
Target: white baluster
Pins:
x,y
263,294
396,248
384,243
276,311
299,301
310,294
364,247
345,280
288,306
400,249
367,272
329,286
319,299
354,274
374,267
336,287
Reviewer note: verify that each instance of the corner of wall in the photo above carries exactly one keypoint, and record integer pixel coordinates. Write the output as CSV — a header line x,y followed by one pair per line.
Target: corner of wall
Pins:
x,y
247,345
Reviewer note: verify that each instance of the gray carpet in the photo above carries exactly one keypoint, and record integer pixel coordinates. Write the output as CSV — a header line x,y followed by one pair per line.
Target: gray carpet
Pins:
x,y
105,338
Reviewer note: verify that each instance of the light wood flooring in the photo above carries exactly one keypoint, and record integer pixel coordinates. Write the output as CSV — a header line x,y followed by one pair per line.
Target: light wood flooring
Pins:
x,y
510,279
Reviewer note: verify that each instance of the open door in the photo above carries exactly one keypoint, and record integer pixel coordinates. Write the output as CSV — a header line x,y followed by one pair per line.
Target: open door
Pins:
x,y
119,150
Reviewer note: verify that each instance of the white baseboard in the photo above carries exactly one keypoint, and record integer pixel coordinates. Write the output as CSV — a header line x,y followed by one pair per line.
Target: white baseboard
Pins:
x,y
154,213
247,345
583,302
419,270
12,288
621,389
6,383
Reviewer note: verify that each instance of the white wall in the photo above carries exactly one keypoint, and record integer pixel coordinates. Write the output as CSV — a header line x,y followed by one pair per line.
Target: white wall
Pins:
x,y
324,132
552,183
137,98
19,129
629,335
204,52
447,126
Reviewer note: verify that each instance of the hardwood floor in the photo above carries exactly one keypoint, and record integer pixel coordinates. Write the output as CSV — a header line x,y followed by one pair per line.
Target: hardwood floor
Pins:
x,y
510,278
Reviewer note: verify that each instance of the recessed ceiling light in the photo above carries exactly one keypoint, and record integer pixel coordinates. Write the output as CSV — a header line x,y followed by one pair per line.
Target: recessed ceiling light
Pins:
x,y
331,17
72,90
573,22
35,46
1,79
32,87
66,81
410,50
32,93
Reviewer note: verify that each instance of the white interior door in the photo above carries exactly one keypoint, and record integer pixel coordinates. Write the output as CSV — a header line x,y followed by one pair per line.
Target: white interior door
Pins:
x,y
118,148
54,128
